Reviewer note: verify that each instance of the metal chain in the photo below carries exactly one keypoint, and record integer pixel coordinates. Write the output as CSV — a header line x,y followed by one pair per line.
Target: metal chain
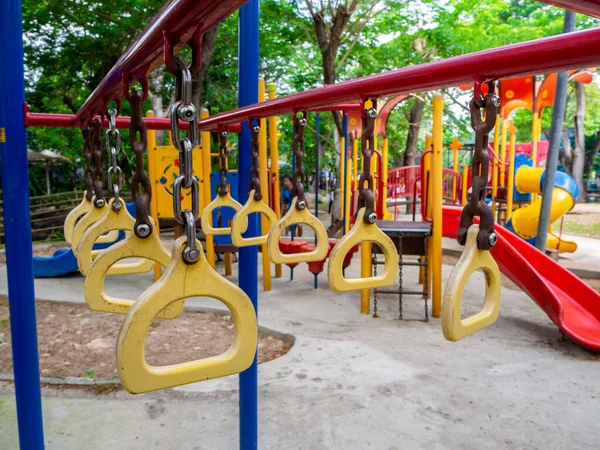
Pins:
x,y
98,174
115,174
366,198
86,133
255,172
223,172
141,187
299,175
480,167
184,109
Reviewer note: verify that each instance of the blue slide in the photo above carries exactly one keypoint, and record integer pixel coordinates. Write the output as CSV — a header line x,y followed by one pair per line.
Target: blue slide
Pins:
x,y
64,262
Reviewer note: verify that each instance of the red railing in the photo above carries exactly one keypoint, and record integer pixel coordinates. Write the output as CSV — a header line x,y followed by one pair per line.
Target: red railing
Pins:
x,y
449,177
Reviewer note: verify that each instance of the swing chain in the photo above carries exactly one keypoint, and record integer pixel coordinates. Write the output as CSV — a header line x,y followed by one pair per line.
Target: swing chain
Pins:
x,y
366,198
223,173
185,110
98,174
86,133
141,187
255,172
298,145
115,174
480,167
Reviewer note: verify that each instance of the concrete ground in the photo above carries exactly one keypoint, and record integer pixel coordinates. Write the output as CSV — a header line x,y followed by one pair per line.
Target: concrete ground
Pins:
x,y
351,381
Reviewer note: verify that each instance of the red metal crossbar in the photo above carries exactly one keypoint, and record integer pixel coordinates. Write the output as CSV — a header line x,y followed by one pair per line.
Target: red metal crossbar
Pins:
x,y
589,7
182,19
557,53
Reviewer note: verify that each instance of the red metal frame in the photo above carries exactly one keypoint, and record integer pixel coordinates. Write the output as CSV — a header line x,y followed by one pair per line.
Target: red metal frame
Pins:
x,y
589,7
183,19
557,53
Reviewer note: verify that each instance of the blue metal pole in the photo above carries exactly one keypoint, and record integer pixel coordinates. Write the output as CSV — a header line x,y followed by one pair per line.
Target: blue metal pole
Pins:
x,y
17,229
317,174
248,60
343,175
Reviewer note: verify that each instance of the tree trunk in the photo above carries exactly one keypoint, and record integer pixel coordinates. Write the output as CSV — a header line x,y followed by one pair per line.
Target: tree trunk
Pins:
x,y
579,150
156,80
208,50
565,155
410,151
591,156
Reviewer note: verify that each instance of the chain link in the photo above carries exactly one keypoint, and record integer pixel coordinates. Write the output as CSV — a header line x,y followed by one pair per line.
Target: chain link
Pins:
x,y
223,171
480,167
141,187
115,174
97,174
255,172
184,109
366,198
86,133
298,145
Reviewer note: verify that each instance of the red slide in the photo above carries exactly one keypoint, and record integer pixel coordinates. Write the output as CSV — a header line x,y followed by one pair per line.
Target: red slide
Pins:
x,y
569,302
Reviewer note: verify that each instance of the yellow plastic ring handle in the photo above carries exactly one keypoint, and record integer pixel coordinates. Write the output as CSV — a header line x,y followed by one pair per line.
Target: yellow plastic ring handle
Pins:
x,y
454,327
92,216
111,221
295,216
239,224
133,246
225,201
359,233
181,281
76,213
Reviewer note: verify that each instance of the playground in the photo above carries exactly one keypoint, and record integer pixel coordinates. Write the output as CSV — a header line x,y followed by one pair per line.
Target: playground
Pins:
x,y
275,275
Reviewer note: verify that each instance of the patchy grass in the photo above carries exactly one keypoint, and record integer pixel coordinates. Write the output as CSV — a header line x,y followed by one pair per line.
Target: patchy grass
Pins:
x,y
580,223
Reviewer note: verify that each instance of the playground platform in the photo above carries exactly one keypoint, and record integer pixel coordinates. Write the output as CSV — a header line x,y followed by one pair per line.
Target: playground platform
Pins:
x,y
350,381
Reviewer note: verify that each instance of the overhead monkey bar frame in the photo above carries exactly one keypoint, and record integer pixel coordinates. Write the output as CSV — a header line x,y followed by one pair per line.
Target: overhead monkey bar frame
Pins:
x,y
553,54
587,7
184,20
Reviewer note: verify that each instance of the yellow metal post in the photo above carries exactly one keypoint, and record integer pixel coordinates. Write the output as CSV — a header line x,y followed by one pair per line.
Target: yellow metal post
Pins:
x,y
206,191
151,146
465,183
534,138
495,167
264,181
502,153
455,146
274,147
510,185
436,199
384,178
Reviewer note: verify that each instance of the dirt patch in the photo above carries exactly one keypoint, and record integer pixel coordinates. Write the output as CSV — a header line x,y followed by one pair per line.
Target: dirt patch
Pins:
x,y
74,341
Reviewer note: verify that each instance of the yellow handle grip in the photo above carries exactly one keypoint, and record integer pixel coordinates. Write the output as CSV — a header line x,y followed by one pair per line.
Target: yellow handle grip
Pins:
x,y
76,213
239,224
181,281
295,216
226,201
92,216
362,232
111,221
133,246
454,327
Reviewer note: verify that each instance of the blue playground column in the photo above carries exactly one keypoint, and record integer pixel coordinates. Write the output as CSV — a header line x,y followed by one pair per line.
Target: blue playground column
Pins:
x,y
17,229
248,60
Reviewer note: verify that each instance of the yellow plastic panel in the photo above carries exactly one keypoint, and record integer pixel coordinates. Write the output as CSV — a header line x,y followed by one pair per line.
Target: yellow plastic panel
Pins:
x,y
226,201
454,327
133,246
111,221
362,232
181,281
239,224
75,214
295,216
